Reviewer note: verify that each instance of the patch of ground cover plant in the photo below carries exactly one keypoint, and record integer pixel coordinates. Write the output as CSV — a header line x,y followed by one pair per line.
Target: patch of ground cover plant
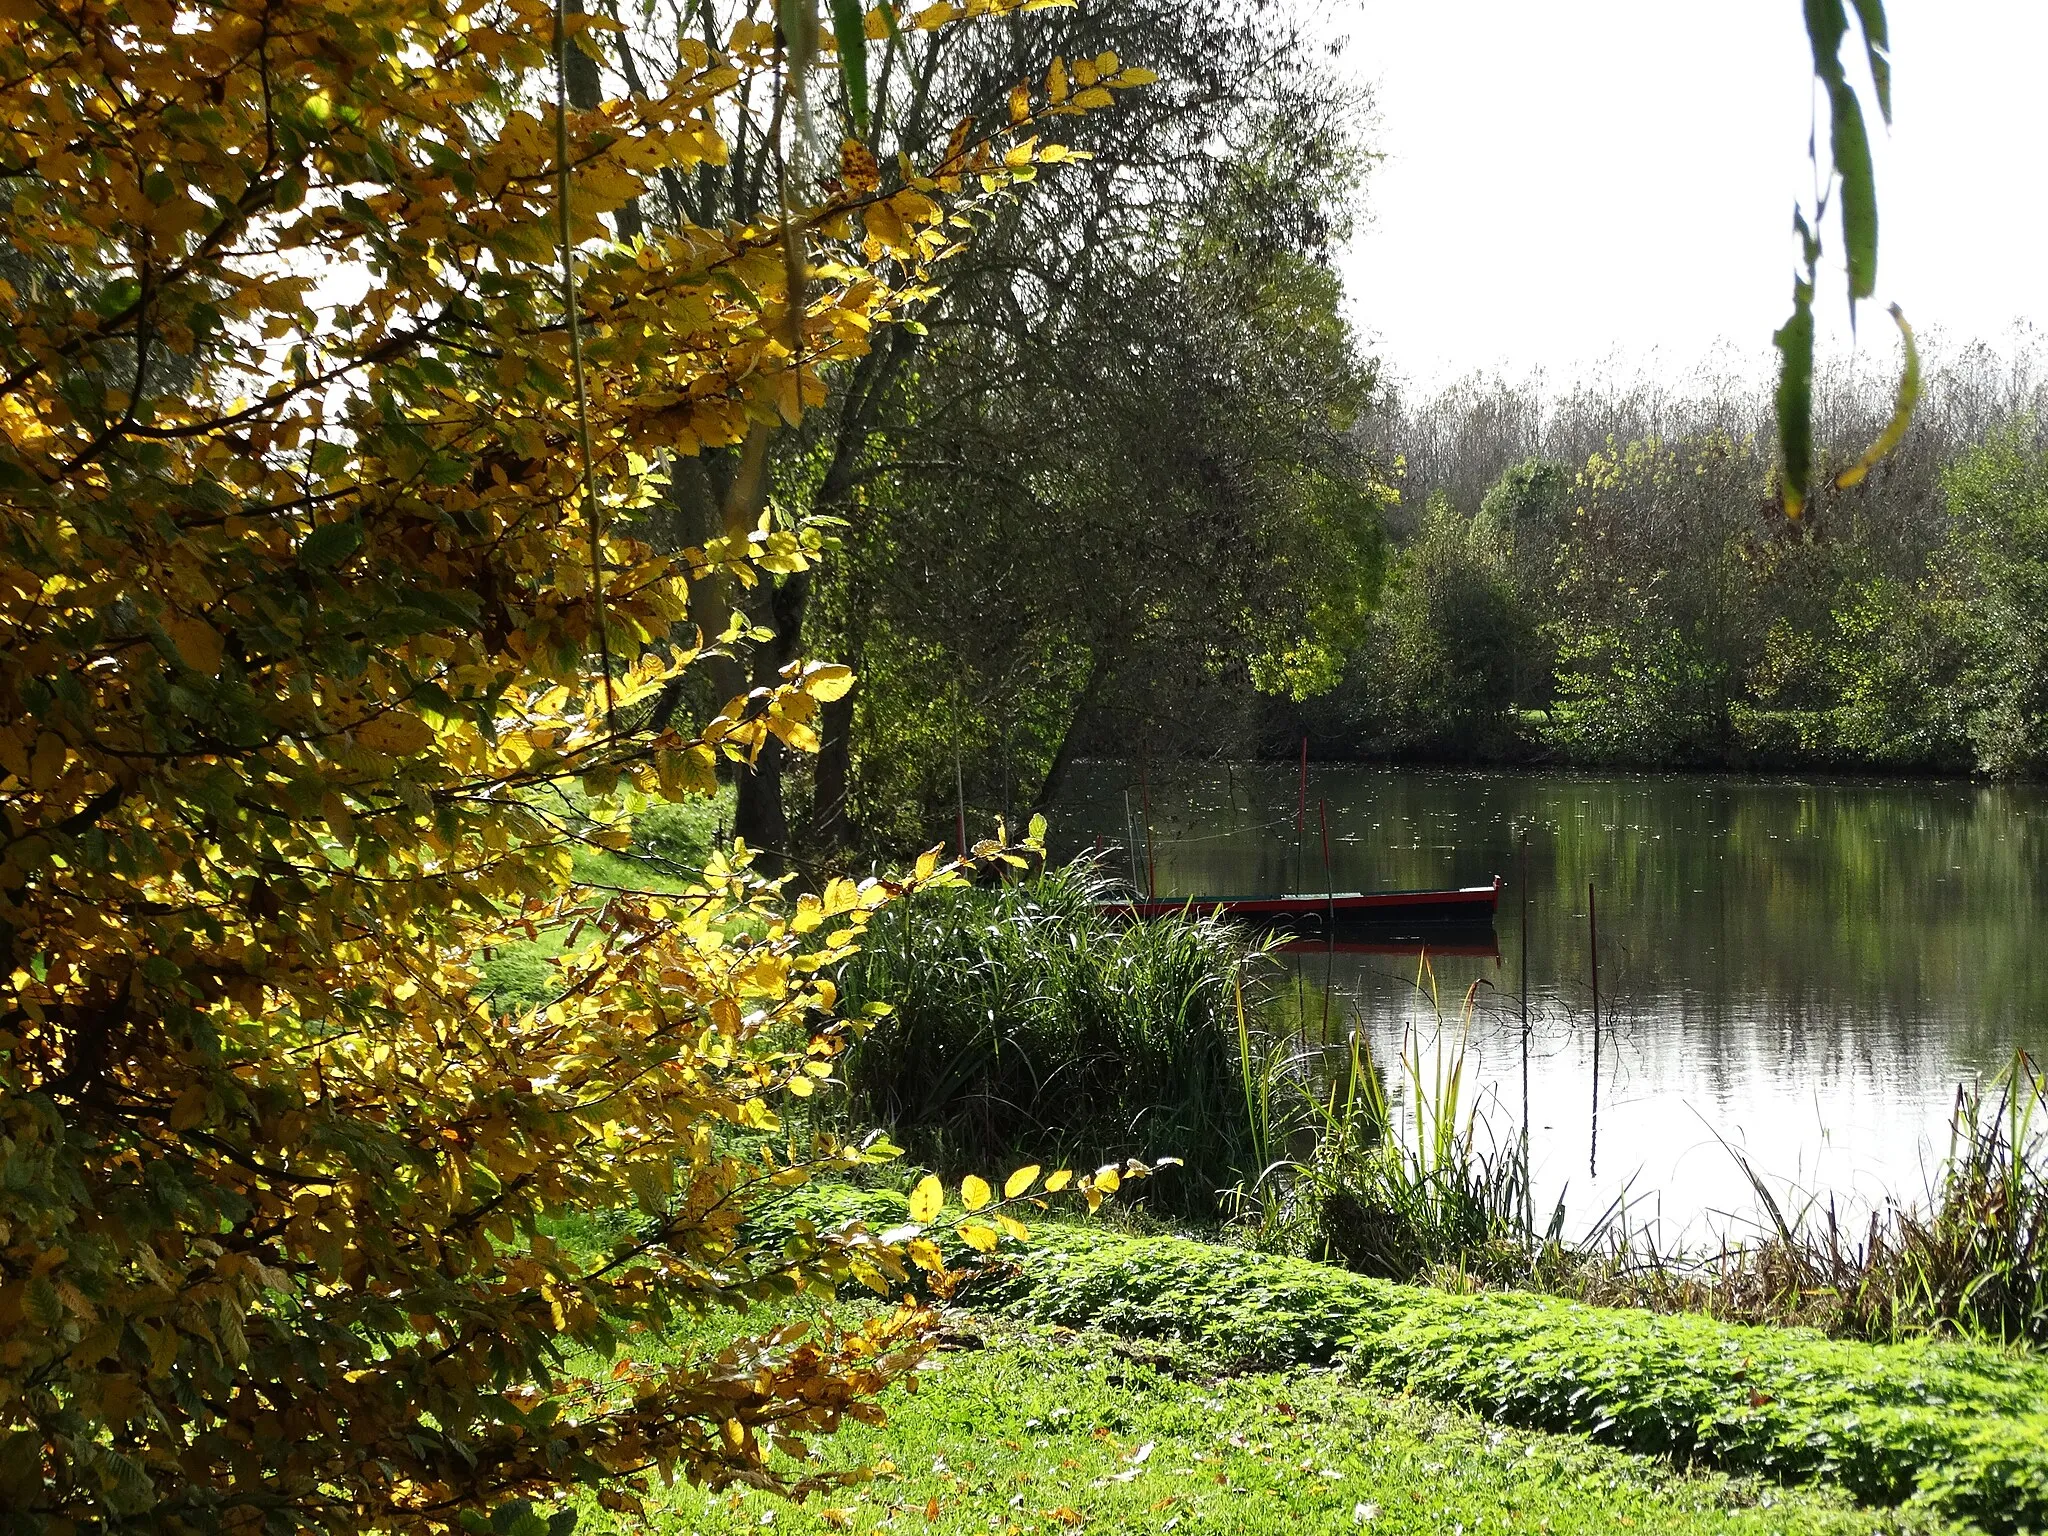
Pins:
x,y
1958,1429
1020,1429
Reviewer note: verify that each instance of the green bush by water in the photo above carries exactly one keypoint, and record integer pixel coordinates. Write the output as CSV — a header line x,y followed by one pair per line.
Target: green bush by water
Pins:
x,y
1028,1024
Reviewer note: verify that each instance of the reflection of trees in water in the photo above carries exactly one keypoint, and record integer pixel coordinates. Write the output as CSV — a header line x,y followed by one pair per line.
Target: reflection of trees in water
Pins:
x,y
1837,929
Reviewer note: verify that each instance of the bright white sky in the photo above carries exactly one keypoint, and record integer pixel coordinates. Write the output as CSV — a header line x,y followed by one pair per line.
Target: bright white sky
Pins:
x,y
1613,180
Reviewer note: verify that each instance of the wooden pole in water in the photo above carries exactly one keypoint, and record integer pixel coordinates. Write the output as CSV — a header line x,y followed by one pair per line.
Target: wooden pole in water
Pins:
x,y
1593,946
1301,822
1145,790
1522,877
1329,919
959,797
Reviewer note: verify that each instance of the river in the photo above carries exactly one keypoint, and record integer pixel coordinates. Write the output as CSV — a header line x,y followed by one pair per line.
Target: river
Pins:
x,y
1801,972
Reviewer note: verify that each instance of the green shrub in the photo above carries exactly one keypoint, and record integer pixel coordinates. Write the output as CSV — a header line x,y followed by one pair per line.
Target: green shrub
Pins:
x,y
1029,1024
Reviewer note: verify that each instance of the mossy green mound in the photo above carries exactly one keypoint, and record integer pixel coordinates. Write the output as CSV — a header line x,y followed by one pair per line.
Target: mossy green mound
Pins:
x,y
1955,1428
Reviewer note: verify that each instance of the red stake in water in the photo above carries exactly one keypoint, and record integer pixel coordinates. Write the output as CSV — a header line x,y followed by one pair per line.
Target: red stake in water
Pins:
x,y
1301,821
1145,790
1329,918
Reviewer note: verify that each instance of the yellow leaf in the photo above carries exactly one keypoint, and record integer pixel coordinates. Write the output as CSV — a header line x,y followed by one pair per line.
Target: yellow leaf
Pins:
x,y
198,643
395,732
933,17
802,1087
190,1108
1020,1181
1055,1182
1107,1178
1056,81
789,401
914,208
884,225
924,1253
602,187
48,763
334,810
1013,1226
1136,75
982,1239
974,1192
857,167
828,681
928,1199
1095,96
1020,104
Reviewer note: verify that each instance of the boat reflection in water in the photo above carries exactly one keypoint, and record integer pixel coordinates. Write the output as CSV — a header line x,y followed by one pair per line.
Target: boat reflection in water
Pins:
x,y
1474,939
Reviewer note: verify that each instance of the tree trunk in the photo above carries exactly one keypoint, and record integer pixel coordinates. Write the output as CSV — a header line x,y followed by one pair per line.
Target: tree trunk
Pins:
x,y
1063,759
834,774
761,819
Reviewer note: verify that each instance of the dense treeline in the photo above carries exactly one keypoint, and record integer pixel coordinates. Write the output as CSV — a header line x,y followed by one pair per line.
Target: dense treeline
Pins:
x,y
1608,576
1505,572
1117,478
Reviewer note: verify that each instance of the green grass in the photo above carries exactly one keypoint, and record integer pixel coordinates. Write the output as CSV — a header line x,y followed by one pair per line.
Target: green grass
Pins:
x,y
670,844
1958,1429
1034,1430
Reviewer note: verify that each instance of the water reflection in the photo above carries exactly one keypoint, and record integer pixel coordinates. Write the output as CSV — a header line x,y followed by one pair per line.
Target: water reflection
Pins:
x,y
1803,971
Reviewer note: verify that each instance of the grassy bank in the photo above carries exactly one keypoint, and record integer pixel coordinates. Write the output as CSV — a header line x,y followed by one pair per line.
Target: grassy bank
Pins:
x,y
1957,1429
1036,1430
1951,1429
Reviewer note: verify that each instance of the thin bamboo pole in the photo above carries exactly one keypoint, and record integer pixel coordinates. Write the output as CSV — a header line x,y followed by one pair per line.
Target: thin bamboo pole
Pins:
x,y
1329,918
1593,947
1522,878
1145,789
959,797
1301,823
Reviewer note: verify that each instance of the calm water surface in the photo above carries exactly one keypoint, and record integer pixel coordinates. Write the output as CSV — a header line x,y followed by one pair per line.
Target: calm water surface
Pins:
x,y
1801,971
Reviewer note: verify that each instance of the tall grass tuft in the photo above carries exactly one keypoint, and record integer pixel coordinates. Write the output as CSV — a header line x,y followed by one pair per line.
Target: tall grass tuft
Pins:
x,y
1028,1023
1971,1259
1978,1259
1356,1187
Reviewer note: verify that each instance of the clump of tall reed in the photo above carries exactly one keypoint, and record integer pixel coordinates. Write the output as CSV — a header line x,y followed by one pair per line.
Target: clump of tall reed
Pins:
x,y
1971,1259
1029,1022
1342,1180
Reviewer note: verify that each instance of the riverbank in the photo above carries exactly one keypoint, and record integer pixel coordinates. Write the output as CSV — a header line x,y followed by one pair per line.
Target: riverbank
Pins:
x,y
1106,1381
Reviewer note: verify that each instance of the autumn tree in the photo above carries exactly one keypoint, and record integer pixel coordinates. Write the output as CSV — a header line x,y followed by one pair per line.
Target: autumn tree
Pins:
x,y
1245,130
326,398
